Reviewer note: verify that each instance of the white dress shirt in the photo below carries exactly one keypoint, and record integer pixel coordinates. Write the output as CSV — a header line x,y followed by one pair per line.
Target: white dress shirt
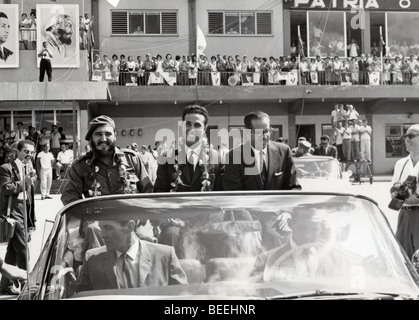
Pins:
x,y
194,153
133,265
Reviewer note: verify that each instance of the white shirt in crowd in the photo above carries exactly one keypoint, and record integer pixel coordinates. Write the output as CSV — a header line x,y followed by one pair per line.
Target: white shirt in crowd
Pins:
x,y
46,159
65,157
365,132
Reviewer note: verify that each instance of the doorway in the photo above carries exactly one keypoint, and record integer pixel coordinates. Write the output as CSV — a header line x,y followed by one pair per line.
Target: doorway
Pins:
x,y
308,131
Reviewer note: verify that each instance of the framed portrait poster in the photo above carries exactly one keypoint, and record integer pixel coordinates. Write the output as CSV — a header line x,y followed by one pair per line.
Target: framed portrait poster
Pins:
x,y
326,34
9,36
58,25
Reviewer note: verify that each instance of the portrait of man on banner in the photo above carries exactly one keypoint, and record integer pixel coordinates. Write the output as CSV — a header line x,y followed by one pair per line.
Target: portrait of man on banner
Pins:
x,y
59,27
9,36
326,34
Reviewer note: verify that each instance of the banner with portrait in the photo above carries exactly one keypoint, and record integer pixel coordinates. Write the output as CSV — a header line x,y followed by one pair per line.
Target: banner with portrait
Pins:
x,y
58,25
326,34
215,78
292,79
314,77
402,38
374,78
9,36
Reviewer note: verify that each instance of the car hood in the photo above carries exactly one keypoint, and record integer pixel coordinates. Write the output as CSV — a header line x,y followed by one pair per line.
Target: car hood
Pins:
x,y
324,184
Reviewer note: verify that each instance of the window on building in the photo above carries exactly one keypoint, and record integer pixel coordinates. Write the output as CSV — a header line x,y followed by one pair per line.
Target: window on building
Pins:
x,y
395,147
240,22
148,22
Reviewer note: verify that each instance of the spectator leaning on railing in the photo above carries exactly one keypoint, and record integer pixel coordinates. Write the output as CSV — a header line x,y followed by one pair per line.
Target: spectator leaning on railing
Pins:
x,y
218,70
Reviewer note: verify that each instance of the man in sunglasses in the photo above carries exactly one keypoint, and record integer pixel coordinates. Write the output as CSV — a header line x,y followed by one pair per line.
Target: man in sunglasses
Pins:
x,y
408,221
17,180
259,163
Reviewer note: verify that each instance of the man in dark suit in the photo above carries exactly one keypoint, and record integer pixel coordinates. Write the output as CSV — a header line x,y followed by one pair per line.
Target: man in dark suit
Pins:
x,y
13,177
258,163
363,70
195,166
129,262
4,34
325,149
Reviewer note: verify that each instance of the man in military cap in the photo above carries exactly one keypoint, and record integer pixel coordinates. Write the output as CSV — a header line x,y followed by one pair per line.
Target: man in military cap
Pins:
x,y
107,169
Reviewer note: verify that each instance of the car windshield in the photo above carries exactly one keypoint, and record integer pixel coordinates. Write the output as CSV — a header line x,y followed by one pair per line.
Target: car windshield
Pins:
x,y
317,168
216,245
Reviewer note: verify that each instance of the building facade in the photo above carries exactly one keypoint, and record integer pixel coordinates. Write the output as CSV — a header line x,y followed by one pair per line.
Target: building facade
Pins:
x,y
258,28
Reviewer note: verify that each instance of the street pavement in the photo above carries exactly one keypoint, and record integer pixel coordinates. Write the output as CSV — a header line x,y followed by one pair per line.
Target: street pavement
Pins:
x,y
46,212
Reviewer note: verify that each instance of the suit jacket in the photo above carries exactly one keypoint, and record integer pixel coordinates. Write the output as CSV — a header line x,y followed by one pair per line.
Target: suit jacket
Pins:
x,y
158,266
12,185
281,172
331,151
7,53
192,180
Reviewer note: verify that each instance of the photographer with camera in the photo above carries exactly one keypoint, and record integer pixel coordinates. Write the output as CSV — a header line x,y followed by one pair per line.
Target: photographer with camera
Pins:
x,y
45,65
404,193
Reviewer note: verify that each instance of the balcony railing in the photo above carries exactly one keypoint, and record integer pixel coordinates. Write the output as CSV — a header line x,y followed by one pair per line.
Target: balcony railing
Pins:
x,y
291,78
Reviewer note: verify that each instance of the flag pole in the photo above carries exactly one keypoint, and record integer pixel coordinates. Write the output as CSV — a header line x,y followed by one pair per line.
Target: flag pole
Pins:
x,y
381,54
299,55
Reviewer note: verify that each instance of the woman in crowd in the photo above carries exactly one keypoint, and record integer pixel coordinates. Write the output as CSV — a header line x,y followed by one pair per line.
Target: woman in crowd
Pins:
x,y
256,71
193,70
386,71
24,25
344,71
183,71
264,71
123,70
115,68
354,70
97,64
130,75
204,69
32,31
169,64
396,70
272,70
230,66
328,67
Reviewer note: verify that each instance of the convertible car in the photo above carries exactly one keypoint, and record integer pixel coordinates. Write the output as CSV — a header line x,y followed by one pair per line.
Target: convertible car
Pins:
x,y
235,245
322,173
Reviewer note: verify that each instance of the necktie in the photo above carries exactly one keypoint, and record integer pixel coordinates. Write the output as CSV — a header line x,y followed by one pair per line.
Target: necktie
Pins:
x,y
192,161
2,54
262,166
126,272
20,134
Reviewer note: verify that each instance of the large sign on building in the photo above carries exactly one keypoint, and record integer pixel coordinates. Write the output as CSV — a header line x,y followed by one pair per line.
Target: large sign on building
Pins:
x,y
353,4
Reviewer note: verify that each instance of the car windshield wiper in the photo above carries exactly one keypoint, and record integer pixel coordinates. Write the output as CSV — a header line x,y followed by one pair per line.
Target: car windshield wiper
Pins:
x,y
326,293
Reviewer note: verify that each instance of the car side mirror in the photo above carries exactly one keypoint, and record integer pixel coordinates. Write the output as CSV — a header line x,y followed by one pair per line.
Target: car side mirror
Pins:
x,y
415,260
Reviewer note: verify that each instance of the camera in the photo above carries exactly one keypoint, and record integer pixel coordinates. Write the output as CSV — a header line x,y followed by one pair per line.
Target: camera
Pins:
x,y
402,192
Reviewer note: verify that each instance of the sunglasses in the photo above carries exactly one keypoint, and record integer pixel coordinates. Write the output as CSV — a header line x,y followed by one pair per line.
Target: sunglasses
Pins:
x,y
410,135
28,152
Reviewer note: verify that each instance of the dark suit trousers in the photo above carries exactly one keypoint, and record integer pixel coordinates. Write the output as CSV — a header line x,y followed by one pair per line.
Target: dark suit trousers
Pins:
x,y
45,67
16,252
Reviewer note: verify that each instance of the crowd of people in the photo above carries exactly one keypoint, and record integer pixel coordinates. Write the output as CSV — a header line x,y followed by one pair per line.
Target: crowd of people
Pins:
x,y
241,70
350,141
191,165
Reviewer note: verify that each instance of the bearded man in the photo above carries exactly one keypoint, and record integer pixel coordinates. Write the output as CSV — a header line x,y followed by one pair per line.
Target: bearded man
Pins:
x,y
59,34
106,169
